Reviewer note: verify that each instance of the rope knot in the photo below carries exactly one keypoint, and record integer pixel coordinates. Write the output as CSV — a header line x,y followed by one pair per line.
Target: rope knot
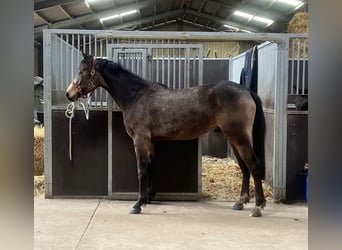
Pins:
x,y
70,113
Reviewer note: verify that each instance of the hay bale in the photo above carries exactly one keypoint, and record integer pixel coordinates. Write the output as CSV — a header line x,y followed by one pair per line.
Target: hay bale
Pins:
x,y
299,46
221,180
299,23
38,151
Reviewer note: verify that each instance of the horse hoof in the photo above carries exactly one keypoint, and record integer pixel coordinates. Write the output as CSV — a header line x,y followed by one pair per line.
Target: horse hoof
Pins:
x,y
238,206
135,210
256,212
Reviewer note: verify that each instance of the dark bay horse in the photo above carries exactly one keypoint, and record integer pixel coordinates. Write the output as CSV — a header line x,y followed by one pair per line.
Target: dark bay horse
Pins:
x,y
152,112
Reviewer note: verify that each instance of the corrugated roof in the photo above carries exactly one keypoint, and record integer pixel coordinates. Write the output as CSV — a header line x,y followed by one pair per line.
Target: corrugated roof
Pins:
x,y
207,14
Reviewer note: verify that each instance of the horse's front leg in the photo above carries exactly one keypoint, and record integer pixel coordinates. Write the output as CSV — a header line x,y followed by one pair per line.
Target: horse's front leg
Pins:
x,y
143,155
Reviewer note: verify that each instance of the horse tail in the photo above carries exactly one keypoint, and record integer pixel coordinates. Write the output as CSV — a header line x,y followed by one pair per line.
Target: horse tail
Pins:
x,y
259,131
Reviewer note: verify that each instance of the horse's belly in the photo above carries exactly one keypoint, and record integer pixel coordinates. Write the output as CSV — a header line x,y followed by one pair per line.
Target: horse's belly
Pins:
x,y
182,128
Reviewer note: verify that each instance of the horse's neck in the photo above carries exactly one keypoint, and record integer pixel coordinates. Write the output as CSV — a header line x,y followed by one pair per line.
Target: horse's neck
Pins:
x,y
123,86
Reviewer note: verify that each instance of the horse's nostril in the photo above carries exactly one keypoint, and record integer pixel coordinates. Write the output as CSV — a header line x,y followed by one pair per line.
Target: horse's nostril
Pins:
x,y
67,94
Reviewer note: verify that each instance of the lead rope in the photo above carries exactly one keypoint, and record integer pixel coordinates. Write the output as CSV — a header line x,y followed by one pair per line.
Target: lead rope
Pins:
x,y
69,113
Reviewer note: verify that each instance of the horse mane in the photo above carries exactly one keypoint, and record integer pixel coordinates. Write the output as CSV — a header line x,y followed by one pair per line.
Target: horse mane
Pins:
x,y
117,68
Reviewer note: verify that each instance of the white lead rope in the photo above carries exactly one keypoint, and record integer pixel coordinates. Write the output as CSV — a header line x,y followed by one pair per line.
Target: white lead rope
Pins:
x,y
69,113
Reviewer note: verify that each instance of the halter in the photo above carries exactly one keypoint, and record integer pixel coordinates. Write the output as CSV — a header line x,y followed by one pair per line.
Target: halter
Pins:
x,y
90,82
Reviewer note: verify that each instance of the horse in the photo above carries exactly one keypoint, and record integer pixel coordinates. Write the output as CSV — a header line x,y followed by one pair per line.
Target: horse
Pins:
x,y
152,112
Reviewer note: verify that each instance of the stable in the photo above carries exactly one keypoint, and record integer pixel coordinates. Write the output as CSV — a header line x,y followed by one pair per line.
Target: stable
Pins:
x,y
103,161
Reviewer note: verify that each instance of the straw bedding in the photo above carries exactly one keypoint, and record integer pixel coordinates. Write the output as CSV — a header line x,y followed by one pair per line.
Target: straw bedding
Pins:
x,y
222,178
38,151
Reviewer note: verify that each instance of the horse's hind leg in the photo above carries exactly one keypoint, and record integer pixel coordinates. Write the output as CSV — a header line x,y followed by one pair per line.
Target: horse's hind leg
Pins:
x,y
245,150
150,171
244,195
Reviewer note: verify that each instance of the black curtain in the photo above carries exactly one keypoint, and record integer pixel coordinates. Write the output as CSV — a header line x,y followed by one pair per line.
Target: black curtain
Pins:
x,y
249,73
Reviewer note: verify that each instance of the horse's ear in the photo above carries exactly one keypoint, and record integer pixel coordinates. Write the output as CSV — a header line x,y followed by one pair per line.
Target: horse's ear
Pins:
x,y
84,55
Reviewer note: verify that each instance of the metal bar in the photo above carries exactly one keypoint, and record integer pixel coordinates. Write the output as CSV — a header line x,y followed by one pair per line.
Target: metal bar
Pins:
x,y
110,145
159,196
61,63
84,43
200,66
89,44
163,67
182,35
79,48
168,69
58,74
110,131
47,60
303,79
101,48
96,94
144,64
132,55
186,68
280,124
157,67
149,64
193,69
298,67
66,62
174,68
106,53
95,45
155,46
179,68
101,90
72,56
137,63
90,53
292,66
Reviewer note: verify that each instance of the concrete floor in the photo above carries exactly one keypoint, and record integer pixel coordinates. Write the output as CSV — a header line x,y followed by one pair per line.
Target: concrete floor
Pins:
x,y
105,224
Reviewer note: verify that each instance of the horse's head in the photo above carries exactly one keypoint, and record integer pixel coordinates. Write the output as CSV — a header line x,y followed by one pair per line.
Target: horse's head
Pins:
x,y
86,81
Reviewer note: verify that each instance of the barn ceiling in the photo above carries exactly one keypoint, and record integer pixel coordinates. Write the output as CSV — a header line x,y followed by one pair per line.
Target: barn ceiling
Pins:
x,y
207,15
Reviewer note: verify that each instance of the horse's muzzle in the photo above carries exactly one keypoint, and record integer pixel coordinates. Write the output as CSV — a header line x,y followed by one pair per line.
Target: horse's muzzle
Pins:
x,y
71,98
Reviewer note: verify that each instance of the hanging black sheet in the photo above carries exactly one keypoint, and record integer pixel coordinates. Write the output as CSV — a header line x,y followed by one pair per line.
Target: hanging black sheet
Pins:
x,y
249,73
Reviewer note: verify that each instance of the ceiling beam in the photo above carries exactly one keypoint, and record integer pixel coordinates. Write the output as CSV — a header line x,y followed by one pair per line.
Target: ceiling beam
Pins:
x,y
64,11
219,20
202,5
41,18
148,19
218,6
51,3
252,8
93,17
197,14
201,26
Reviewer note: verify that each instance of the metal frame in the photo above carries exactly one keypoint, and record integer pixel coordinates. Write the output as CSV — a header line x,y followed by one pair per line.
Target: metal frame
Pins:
x,y
279,110
164,39
280,126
